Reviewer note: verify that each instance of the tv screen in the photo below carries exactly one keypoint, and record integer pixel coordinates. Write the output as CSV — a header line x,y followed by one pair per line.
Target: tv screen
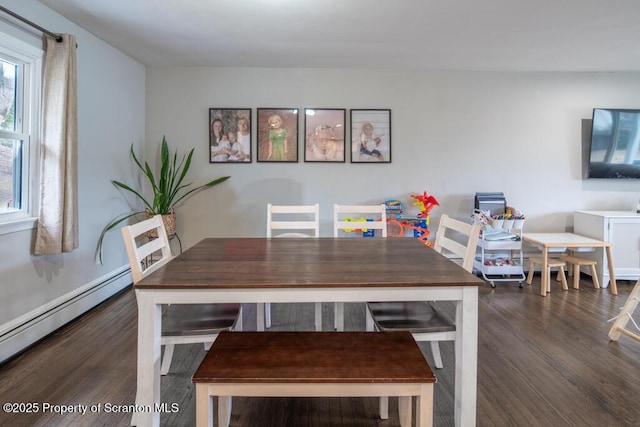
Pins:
x,y
615,144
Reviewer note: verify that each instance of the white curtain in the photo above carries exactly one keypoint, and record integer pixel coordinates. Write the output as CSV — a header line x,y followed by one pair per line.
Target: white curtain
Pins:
x,y
58,217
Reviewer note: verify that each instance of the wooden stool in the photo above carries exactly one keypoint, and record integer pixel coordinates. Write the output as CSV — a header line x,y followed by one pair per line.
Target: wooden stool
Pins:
x,y
573,267
314,364
551,263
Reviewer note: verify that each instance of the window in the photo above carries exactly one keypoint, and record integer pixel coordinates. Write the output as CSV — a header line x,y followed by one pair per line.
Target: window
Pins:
x,y
20,68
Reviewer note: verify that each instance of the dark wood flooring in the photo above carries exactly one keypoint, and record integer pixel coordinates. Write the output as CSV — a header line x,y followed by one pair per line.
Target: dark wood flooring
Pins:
x,y
541,362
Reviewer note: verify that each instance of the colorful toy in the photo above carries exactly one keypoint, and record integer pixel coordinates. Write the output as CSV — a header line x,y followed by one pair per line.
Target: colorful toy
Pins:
x,y
394,207
426,203
419,224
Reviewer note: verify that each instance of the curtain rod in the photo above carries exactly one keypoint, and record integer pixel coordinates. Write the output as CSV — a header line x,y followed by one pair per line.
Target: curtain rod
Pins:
x,y
56,37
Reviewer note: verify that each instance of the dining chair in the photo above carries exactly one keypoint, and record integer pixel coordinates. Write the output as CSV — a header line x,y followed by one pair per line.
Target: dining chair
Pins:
x,y
351,219
429,321
300,221
181,323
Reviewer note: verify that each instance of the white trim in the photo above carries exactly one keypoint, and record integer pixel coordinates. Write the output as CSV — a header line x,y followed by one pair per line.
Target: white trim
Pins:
x,y
27,329
18,225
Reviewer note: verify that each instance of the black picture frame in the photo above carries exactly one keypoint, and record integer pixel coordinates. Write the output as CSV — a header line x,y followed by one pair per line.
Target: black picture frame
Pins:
x,y
370,136
270,146
324,135
234,123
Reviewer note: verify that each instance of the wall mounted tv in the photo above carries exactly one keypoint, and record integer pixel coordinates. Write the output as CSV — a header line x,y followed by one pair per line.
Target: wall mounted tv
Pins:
x,y
615,144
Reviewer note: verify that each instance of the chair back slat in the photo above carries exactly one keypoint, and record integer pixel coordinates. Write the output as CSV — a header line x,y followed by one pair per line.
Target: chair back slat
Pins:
x,y
276,221
146,254
340,212
450,228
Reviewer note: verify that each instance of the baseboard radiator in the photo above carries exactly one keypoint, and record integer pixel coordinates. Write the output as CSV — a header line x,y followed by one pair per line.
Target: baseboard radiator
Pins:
x,y
20,333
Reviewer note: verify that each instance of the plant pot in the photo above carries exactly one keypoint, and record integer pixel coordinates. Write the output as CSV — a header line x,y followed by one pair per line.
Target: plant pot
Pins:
x,y
169,221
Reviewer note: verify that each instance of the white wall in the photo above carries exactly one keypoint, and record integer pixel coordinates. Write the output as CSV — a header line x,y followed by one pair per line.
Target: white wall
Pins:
x,y
453,134
111,91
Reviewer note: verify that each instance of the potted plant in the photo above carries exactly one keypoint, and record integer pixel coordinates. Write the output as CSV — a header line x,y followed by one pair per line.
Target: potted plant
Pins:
x,y
168,190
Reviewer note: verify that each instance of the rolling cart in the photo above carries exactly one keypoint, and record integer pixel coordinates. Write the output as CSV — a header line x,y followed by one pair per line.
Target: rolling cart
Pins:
x,y
500,256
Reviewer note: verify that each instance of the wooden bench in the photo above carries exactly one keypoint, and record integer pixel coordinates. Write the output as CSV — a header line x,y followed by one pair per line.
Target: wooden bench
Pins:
x,y
314,364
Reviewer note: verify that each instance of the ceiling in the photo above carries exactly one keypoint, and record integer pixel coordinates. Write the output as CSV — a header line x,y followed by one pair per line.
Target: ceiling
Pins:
x,y
511,35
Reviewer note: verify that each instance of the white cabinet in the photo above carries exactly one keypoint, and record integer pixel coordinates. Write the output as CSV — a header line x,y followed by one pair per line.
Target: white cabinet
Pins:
x,y
622,230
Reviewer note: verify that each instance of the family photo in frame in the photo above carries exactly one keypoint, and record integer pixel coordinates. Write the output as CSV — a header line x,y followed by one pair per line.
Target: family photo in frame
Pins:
x,y
277,135
229,135
324,131
370,136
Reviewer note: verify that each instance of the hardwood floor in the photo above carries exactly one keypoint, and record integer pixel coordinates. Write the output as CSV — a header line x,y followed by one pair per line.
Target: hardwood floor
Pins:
x,y
541,362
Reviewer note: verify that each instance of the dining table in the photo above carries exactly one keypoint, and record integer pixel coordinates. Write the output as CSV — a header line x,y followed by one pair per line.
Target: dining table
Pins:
x,y
261,270
549,242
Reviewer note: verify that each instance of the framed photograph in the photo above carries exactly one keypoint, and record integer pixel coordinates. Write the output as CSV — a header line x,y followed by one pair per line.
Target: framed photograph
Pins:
x,y
277,134
324,131
229,135
370,136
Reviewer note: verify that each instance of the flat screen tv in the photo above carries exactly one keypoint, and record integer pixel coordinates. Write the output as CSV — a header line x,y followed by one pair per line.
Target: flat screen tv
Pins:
x,y
615,144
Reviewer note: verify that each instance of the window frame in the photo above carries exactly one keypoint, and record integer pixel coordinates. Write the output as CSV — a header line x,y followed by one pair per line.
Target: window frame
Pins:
x,y
29,60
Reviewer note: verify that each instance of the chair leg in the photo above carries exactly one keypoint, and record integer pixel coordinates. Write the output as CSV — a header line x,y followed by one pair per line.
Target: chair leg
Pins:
x,y
260,317
594,277
238,325
338,316
404,410
576,276
383,404
318,316
166,359
369,323
267,315
437,357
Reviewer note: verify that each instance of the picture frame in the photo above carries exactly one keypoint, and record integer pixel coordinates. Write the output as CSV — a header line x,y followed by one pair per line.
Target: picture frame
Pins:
x,y
324,135
370,136
230,135
277,135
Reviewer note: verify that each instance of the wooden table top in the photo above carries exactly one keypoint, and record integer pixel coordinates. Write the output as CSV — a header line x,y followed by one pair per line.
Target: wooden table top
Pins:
x,y
562,240
238,263
314,357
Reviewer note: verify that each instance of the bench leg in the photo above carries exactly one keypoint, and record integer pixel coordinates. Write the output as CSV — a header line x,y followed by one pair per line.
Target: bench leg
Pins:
x,y
594,277
204,406
530,275
404,411
424,406
576,276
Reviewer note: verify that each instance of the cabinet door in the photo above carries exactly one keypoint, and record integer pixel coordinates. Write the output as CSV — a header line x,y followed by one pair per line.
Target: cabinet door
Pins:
x,y
625,237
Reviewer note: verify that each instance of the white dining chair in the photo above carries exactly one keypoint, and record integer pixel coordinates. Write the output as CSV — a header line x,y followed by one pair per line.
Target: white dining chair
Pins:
x,y
301,221
181,323
430,320
346,220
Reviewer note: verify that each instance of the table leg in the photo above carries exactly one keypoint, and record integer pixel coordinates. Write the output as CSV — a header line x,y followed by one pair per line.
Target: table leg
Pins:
x,y
148,382
612,274
544,276
466,348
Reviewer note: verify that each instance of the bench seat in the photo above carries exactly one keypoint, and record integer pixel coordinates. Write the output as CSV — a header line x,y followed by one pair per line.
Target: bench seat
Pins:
x,y
314,364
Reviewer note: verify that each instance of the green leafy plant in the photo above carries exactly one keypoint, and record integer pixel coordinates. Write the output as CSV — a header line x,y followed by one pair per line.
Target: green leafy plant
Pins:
x,y
168,189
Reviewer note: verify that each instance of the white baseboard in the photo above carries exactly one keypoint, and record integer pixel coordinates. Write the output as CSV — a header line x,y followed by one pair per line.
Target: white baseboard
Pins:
x,y
26,330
